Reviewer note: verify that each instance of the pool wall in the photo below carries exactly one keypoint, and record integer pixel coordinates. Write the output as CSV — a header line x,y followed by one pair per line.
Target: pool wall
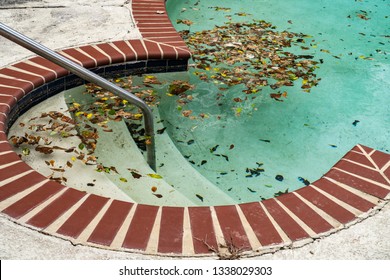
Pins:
x,y
354,188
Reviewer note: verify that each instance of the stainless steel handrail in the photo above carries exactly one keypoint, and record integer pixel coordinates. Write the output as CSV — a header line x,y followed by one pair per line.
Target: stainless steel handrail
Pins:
x,y
89,76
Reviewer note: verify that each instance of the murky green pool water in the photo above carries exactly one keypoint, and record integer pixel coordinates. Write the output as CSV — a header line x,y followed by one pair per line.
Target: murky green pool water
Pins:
x,y
276,146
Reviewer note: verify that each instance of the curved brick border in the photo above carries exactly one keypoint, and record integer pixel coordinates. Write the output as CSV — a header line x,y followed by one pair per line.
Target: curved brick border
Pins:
x,y
353,187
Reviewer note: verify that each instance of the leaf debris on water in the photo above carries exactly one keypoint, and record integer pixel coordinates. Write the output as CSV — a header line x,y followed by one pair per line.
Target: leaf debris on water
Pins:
x,y
200,197
303,180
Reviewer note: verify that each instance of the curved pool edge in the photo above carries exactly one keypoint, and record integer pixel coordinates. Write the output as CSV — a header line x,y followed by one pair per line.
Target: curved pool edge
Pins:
x,y
353,189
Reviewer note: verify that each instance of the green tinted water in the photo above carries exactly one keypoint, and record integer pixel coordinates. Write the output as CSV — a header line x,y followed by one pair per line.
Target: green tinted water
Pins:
x,y
281,146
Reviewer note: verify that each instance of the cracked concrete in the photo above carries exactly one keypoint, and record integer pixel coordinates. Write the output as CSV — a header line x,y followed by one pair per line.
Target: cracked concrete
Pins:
x,y
65,24
366,240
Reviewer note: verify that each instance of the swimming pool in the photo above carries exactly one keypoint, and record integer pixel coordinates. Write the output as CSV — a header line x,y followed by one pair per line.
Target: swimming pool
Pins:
x,y
249,146
354,188
274,146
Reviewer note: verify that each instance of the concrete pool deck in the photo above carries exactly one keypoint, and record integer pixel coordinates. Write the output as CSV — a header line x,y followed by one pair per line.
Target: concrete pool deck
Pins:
x,y
365,240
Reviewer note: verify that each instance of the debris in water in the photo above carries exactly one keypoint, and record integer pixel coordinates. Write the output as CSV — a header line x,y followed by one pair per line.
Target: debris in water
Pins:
x,y
161,131
305,181
265,140
279,178
279,193
213,149
254,171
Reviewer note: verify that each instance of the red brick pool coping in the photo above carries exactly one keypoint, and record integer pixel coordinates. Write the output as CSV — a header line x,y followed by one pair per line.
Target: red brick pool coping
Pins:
x,y
354,187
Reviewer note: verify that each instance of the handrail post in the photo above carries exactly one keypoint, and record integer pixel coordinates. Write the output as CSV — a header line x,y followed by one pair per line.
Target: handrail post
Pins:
x,y
89,76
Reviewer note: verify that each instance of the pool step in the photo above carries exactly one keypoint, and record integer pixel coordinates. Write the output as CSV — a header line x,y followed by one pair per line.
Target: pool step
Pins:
x,y
178,172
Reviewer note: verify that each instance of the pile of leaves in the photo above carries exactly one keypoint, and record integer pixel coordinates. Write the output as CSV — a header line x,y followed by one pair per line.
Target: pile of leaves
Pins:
x,y
100,108
254,55
106,107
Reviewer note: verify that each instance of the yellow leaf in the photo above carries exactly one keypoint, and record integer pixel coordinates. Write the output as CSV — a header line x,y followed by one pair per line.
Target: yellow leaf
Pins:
x,y
90,115
155,176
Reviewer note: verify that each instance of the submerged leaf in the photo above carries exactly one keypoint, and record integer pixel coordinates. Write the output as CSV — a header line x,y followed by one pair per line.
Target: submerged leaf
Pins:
x,y
200,197
155,176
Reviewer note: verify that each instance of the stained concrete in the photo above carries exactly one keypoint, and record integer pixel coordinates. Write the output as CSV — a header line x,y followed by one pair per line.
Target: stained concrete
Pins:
x,y
61,24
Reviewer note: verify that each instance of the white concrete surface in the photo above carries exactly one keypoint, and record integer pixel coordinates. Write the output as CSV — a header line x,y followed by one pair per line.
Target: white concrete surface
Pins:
x,y
60,24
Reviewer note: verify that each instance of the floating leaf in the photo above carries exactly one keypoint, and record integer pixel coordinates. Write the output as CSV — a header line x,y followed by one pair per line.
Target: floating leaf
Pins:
x,y
279,178
155,176
256,56
213,149
135,175
265,140
179,87
161,131
123,179
185,21
58,169
303,180
44,150
200,197
216,8
26,151
186,113
279,193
